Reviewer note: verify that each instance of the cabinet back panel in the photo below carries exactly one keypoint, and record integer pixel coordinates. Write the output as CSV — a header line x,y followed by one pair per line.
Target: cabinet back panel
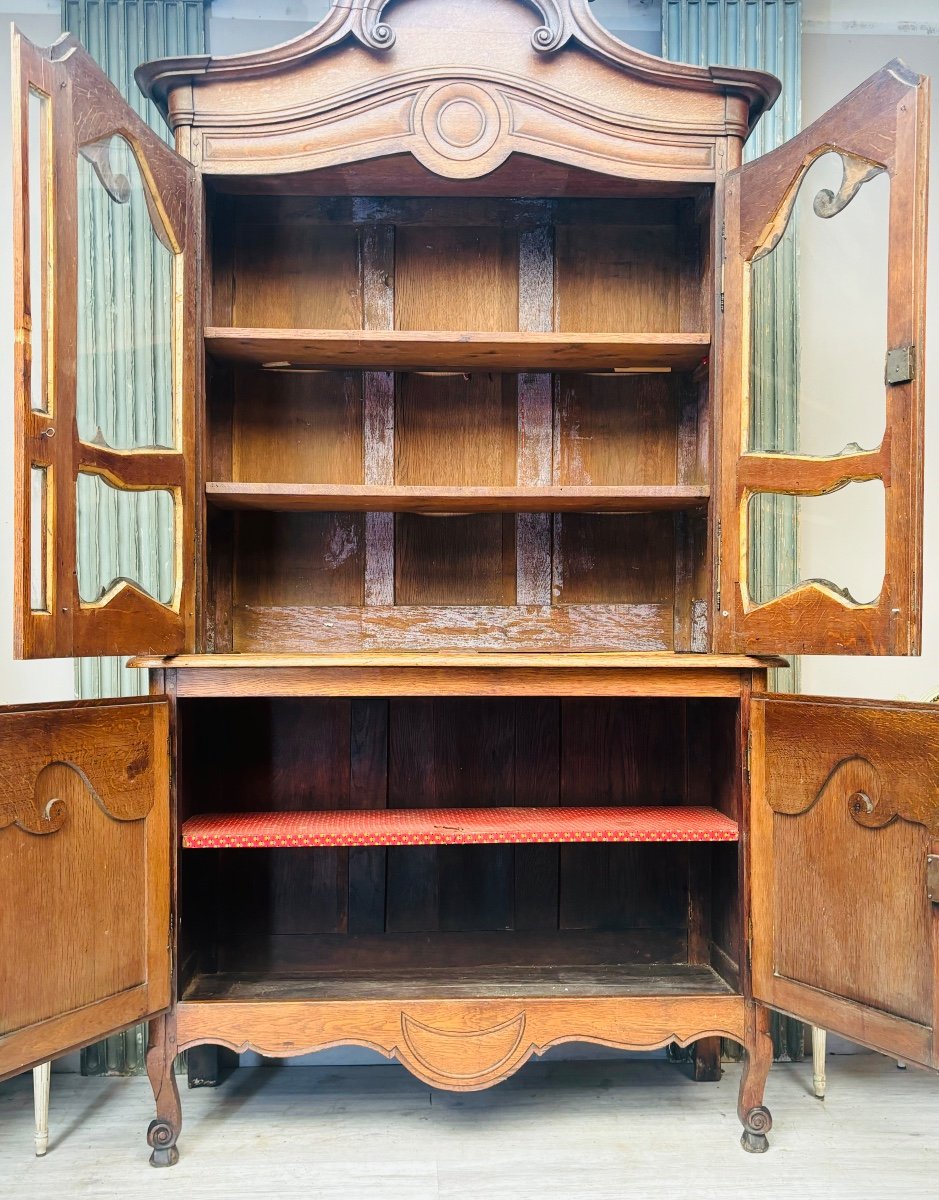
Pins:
x,y
297,427
613,429
456,430
297,277
618,278
612,559
454,560
285,559
456,278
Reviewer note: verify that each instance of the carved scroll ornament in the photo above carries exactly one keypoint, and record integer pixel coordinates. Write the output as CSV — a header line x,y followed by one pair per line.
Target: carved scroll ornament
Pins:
x,y
112,755
872,801
855,172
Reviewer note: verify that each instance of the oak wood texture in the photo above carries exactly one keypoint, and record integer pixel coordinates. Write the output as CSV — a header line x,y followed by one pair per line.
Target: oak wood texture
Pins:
x,y
456,826
293,497
409,350
84,848
460,1045
422,983
882,125
86,108
845,810
631,662
443,680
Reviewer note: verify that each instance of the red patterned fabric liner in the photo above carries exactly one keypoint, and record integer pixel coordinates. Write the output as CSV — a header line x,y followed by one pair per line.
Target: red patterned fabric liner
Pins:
x,y
456,827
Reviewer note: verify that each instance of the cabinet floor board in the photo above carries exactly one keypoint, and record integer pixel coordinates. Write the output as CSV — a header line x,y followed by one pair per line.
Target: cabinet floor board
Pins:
x,y
607,979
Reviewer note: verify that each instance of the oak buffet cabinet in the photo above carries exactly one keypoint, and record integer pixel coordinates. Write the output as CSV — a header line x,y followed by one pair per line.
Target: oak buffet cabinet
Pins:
x,y
458,744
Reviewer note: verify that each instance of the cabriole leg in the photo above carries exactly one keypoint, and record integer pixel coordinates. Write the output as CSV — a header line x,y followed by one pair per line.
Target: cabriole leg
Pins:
x,y
755,1118
161,1061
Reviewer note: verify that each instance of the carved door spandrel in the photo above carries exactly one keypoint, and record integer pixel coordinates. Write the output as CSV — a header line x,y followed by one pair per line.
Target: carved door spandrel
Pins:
x,y
840,491
105,373
84,860
844,830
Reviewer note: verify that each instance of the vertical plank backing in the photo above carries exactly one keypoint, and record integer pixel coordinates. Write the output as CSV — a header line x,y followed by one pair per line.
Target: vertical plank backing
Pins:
x,y
537,754
368,788
535,315
451,753
378,437
618,752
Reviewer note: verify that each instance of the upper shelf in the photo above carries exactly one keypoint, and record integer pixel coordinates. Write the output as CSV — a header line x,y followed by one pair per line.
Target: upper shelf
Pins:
x,y
298,497
407,350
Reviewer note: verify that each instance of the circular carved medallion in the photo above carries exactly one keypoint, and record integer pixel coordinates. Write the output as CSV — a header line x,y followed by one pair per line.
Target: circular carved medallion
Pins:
x,y
460,121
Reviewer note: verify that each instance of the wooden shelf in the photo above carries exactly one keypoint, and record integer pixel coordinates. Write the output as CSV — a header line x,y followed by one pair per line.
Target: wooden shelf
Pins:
x,y
455,827
299,497
468,982
380,350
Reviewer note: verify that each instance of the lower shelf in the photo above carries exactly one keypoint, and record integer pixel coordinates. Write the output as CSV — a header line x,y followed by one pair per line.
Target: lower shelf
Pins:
x,y
456,826
607,979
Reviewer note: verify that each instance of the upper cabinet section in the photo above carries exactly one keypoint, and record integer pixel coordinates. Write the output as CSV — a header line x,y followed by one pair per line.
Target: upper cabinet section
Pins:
x,y
105,368
854,185
458,88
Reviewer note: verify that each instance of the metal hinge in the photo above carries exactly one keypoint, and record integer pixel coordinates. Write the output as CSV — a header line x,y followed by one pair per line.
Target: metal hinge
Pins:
x,y
900,365
723,260
932,877
719,551
749,945
749,751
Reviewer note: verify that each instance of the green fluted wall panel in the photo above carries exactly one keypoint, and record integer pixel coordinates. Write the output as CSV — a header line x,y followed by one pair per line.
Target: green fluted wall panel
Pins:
x,y
124,385
764,34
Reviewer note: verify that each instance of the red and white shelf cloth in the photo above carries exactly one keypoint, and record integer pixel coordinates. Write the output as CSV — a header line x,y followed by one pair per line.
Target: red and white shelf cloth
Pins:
x,y
456,827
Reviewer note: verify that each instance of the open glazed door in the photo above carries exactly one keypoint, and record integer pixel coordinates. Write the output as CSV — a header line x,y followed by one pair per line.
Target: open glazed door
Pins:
x,y
85,864
844,863
105,367
845,487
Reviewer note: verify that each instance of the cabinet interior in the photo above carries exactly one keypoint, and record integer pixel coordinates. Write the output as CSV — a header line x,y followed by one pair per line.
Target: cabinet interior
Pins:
x,y
314,572
344,922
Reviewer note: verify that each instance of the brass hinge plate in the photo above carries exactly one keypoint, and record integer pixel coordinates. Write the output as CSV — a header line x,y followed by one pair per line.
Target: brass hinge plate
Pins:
x,y
932,877
900,366
717,573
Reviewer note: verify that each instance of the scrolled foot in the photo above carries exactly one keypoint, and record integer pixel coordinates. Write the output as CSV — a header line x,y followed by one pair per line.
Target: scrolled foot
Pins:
x,y
162,1137
756,1125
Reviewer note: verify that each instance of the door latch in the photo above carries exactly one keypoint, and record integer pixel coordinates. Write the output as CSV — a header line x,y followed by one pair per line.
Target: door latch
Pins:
x,y
932,877
900,365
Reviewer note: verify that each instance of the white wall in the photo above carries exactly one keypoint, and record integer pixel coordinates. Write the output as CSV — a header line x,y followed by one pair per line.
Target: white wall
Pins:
x,y
20,682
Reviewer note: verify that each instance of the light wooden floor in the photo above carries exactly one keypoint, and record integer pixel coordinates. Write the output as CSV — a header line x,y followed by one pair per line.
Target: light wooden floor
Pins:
x,y
556,1131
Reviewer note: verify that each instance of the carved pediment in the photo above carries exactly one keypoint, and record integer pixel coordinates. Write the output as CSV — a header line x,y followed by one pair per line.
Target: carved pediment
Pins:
x,y
460,86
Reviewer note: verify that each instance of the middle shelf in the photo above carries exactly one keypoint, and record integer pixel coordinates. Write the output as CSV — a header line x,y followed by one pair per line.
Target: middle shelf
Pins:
x,y
347,497
457,827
